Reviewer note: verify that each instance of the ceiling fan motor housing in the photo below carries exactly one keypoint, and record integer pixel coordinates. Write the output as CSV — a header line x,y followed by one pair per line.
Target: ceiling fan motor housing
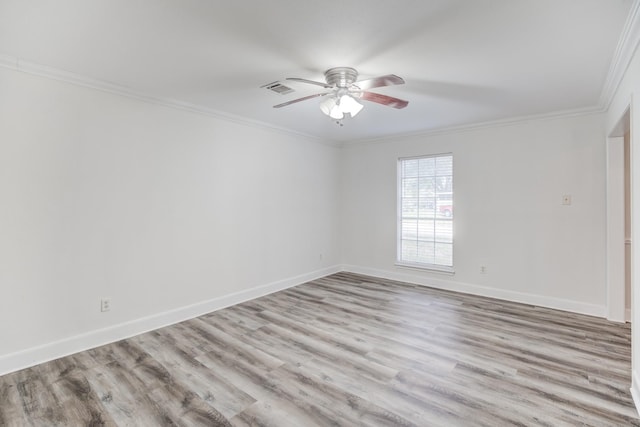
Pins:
x,y
341,77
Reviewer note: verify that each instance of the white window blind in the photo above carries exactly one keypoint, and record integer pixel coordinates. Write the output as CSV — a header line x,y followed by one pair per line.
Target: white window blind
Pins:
x,y
425,211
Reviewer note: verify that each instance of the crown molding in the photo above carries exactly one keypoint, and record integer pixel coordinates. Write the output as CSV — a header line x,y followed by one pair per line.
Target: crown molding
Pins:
x,y
627,46
480,125
17,64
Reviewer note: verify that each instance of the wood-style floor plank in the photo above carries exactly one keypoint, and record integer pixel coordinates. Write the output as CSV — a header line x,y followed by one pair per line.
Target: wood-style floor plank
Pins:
x,y
344,350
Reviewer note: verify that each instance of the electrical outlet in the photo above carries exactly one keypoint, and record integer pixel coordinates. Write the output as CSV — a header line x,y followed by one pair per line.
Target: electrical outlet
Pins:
x,y
483,269
105,304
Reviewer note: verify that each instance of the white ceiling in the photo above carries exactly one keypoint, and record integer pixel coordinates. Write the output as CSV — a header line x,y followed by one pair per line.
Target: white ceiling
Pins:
x,y
464,61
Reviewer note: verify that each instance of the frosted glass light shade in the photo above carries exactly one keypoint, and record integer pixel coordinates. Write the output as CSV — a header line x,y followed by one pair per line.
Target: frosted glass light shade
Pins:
x,y
327,104
336,107
336,113
331,107
349,105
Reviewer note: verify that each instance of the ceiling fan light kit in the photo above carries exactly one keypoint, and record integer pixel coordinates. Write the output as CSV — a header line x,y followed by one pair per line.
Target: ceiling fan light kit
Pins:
x,y
337,106
342,92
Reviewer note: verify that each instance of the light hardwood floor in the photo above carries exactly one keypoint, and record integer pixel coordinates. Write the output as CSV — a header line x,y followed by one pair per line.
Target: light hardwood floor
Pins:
x,y
345,350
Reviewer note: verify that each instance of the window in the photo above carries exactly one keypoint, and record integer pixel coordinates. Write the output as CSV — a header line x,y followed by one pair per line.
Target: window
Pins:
x,y
425,212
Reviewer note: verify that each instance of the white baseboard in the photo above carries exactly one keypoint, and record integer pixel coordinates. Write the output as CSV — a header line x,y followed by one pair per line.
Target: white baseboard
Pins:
x,y
635,389
531,299
33,356
50,351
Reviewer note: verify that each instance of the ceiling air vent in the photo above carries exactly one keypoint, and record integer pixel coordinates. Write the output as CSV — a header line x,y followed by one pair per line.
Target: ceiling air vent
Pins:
x,y
278,88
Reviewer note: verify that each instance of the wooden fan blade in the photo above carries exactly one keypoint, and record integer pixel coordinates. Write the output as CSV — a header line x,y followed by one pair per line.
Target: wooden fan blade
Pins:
x,y
311,82
389,101
388,80
304,98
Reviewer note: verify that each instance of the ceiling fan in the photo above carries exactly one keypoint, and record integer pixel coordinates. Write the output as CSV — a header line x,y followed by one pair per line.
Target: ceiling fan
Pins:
x,y
343,92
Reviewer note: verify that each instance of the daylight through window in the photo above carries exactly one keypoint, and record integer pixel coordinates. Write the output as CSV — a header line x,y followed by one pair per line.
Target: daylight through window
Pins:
x,y
425,212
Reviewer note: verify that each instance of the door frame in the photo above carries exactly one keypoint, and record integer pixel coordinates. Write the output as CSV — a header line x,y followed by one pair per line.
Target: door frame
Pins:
x,y
616,239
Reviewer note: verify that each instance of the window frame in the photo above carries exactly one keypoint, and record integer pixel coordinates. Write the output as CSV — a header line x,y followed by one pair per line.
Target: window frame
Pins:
x,y
439,268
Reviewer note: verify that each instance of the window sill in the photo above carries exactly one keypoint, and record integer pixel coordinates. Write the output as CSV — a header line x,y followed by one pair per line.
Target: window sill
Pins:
x,y
427,267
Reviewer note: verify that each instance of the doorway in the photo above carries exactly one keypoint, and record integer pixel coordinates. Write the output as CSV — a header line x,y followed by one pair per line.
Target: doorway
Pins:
x,y
619,243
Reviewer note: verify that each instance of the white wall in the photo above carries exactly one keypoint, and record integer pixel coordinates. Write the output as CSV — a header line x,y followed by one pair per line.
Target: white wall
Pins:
x,y
172,213
508,186
157,208
627,96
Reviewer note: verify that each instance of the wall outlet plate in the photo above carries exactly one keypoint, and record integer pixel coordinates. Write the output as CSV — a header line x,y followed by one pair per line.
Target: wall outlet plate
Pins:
x,y
105,304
